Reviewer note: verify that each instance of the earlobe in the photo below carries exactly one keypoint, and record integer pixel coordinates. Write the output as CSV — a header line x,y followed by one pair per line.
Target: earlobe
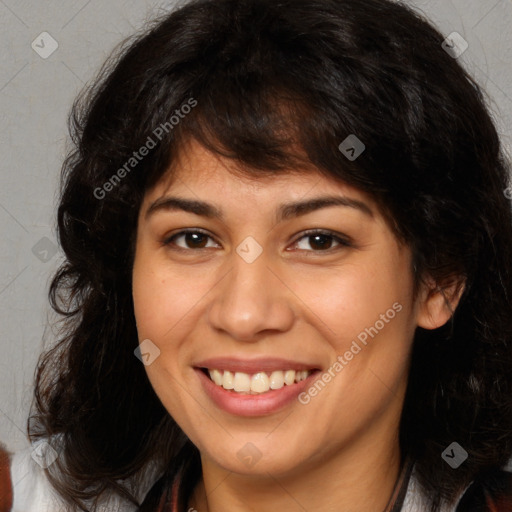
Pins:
x,y
437,303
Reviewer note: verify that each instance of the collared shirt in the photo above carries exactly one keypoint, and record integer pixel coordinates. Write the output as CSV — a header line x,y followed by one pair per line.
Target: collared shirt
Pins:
x,y
490,494
33,493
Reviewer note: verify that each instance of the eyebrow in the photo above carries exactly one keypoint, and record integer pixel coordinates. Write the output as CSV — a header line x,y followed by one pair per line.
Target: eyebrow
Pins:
x,y
284,212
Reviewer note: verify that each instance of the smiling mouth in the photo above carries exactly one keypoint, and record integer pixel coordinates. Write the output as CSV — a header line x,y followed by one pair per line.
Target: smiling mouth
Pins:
x,y
256,383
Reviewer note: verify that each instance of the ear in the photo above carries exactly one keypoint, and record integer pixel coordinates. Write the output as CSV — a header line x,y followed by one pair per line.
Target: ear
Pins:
x,y
437,303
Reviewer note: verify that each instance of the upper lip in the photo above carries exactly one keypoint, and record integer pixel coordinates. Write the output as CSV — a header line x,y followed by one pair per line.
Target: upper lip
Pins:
x,y
267,364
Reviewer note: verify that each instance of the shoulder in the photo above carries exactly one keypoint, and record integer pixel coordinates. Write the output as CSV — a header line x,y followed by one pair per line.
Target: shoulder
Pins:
x,y
491,492
415,499
31,489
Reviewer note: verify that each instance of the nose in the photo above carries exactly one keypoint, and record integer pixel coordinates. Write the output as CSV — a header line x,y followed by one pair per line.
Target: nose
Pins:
x,y
251,301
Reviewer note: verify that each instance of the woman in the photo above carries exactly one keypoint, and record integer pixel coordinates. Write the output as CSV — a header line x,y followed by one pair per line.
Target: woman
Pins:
x,y
288,280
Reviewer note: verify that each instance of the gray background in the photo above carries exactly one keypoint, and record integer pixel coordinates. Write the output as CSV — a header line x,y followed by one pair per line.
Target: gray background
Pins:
x,y
35,97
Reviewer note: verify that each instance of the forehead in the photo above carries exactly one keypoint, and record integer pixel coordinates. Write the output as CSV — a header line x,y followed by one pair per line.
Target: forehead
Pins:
x,y
196,171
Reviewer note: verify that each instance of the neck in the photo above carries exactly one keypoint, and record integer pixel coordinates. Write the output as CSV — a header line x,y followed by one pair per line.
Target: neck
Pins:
x,y
357,478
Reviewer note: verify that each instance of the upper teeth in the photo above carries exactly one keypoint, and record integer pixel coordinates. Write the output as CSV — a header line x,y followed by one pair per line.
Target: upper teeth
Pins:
x,y
260,382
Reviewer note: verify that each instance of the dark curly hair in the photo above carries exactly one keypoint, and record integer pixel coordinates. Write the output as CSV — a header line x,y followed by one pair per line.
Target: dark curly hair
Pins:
x,y
278,85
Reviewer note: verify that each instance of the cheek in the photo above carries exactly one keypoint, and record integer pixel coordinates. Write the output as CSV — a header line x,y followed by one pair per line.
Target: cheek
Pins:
x,y
365,315
161,297
343,301
161,318
167,301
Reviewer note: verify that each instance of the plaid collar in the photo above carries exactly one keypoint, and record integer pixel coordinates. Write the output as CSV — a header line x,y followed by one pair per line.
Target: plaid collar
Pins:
x,y
398,495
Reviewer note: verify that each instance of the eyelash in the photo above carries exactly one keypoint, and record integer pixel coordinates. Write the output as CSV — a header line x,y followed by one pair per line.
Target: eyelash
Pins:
x,y
342,241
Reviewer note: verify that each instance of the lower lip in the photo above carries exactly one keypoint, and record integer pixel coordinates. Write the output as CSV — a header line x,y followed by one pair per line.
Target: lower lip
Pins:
x,y
253,405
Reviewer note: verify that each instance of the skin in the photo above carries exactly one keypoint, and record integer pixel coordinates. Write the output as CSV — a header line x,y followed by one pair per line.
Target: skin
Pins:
x,y
296,301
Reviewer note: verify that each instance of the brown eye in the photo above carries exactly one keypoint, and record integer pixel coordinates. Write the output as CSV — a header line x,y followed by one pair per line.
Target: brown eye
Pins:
x,y
320,241
190,240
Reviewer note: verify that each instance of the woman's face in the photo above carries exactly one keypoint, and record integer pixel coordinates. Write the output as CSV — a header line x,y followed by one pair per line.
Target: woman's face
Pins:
x,y
254,297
